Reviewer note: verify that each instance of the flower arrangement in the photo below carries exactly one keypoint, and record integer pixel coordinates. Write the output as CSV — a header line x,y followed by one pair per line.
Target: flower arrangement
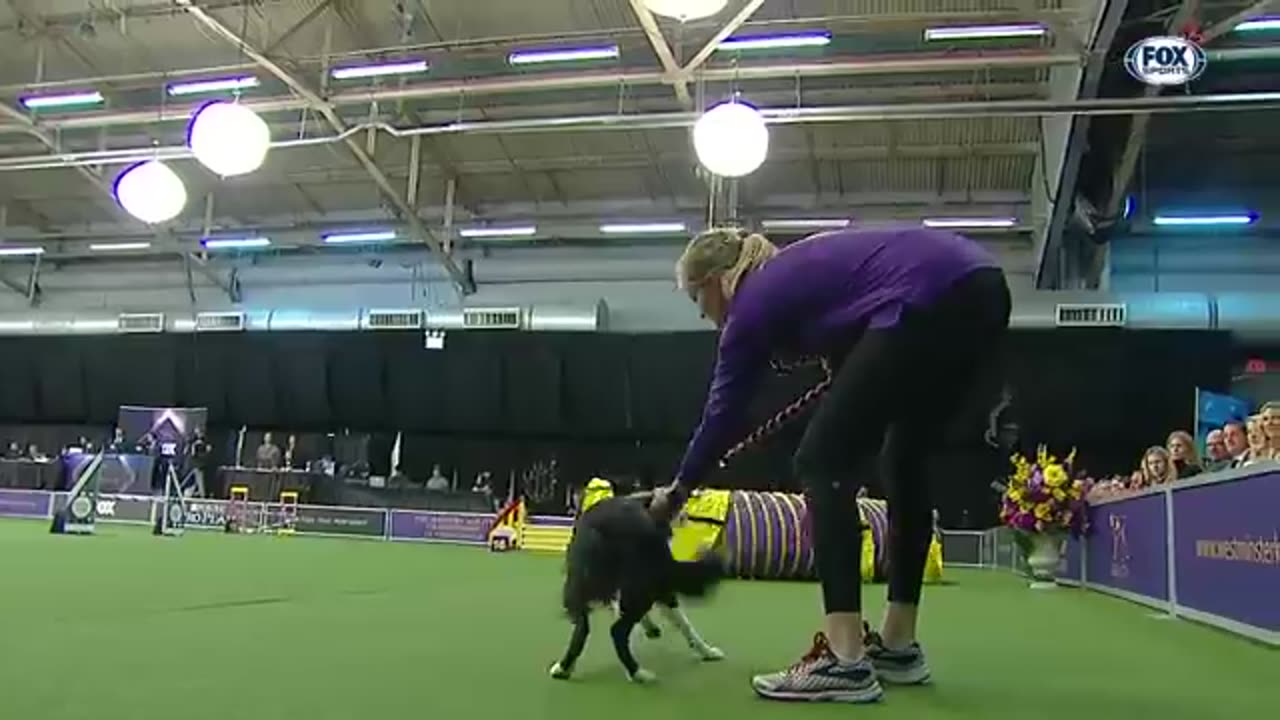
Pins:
x,y
1041,496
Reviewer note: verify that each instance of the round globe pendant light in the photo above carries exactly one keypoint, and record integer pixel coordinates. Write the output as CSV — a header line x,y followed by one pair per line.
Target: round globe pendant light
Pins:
x,y
151,192
685,10
731,139
228,138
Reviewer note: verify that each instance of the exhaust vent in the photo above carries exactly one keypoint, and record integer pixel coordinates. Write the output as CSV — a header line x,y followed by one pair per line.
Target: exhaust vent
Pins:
x,y
1091,315
219,321
394,320
140,322
492,318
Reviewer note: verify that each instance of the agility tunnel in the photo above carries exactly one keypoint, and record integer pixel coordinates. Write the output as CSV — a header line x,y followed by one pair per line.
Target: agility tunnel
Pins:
x,y
762,535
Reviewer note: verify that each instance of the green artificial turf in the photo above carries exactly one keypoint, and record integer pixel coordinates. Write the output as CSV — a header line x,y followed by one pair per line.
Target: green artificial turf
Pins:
x,y
123,625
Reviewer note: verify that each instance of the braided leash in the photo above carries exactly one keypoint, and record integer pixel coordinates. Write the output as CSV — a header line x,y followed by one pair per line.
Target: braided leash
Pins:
x,y
782,417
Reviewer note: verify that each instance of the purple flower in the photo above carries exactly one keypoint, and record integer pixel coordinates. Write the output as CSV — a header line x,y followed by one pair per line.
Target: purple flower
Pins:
x,y
1024,521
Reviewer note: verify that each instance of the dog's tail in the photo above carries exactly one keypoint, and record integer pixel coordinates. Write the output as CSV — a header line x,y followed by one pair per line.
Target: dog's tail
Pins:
x,y
698,577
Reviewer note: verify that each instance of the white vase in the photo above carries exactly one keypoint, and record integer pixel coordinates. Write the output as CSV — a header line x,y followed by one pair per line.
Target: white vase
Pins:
x,y
1043,559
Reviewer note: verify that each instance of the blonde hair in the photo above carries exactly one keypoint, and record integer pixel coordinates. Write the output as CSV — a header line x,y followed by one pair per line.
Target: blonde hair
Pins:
x,y
1170,473
728,252
1185,437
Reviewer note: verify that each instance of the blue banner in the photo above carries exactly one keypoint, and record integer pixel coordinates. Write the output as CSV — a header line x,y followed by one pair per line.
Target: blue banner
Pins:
x,y
1213,410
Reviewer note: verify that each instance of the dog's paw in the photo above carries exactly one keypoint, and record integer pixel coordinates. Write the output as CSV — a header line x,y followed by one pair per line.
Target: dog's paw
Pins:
x,y
643,677
653,632
559,672
709,653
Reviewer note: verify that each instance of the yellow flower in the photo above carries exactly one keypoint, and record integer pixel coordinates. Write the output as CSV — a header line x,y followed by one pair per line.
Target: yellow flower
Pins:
x,y
1059,495
1055,476
1043,511
1015,495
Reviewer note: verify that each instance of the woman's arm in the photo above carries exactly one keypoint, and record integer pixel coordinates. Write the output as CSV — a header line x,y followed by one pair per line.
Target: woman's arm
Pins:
x,y
740,361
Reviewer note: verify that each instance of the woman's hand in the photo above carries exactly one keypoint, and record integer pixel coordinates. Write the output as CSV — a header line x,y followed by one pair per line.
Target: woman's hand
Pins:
x,y
667,501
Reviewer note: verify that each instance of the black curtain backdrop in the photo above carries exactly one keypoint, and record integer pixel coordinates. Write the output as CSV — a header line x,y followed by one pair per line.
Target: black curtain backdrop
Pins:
x,y
606,404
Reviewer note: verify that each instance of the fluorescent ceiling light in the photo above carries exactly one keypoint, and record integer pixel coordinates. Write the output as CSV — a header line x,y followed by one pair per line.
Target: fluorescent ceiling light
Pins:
x,y
112,247
360,237
803,224
984,32
1203,220
52,101
642,228
534,57
970,222
1259,23
775,42
211,86
225,243
499,232
14,251
379,70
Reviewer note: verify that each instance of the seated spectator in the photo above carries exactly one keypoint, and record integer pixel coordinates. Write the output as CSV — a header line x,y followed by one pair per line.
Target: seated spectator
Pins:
x,y
483,485
399,478
437,482
1259,449
14,451
1157,467
34,454
1215,446
1182,451
1237,442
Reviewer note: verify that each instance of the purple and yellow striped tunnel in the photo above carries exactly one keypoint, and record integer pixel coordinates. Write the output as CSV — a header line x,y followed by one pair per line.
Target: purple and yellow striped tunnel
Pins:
x,y
766,535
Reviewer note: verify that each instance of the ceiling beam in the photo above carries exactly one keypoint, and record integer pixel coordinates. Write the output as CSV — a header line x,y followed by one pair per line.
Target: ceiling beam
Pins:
x,y
1049,243
297,27
315,102
736,22
670,66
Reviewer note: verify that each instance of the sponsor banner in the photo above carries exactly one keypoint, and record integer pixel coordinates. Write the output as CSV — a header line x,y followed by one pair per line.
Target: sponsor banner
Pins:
x,y
365,522
127,509
440,526
212,514
1227,549
25,503
1127,547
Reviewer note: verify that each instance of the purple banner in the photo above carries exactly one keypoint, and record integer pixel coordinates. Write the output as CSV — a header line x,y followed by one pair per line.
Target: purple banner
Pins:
x,y
1072,565
1227,549
440,526
25,503
1127,548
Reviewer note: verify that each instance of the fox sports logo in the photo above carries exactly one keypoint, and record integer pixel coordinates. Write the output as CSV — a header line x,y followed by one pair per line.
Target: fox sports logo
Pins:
x,y
1165,61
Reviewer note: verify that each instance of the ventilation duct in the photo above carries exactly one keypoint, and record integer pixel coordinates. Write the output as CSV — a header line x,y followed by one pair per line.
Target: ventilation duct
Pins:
x,y
566,318
1252,317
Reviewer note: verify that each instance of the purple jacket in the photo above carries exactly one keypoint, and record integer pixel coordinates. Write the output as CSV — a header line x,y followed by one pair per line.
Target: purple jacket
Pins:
x,y
814,298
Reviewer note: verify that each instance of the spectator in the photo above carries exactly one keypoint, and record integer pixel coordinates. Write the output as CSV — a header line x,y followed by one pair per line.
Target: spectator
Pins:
x,y
117,445
1183,454
437,482
268,455
34,454
292,459
1157,467
14,451
1259,450
1215,445
483,485
1234,436
1271,427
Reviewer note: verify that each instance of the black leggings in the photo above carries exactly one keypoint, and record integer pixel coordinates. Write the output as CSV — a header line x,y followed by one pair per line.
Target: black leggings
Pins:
x,y
897,389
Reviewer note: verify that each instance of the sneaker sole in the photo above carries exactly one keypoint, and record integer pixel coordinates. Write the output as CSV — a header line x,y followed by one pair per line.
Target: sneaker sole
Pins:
x,y
861,697
918,675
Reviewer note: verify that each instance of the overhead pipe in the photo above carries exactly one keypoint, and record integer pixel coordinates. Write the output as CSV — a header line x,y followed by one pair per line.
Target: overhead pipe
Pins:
x,y
872,65
1225,102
